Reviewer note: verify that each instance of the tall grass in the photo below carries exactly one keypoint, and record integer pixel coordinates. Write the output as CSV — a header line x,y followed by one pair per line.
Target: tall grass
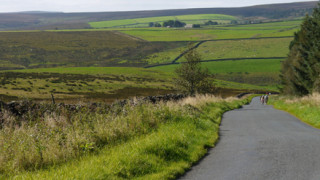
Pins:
x,y
305,108
142,141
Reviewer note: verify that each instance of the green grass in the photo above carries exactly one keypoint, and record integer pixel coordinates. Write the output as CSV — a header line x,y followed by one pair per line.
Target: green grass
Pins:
x,y
181,139
108,84
164,57
164,34
263,72
96,71
245,48
230,49
305,108
239,66
95,83
243,86
143,22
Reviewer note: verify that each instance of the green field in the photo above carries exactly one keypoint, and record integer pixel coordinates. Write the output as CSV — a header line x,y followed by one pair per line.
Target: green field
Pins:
x,y
273,29
161,34
143,22
245,48
234,66
264,72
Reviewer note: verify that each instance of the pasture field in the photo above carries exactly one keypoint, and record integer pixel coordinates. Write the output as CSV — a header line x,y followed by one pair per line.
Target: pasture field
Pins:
x,y
263,26
144,22
263,72
222,49
244,48
272,29
234,66
162,34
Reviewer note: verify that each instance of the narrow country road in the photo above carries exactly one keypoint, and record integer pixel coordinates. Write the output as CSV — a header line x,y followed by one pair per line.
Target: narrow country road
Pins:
x,y
257,143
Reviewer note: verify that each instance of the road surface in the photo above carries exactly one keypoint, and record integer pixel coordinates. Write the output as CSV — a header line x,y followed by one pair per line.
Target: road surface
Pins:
x,y
258,142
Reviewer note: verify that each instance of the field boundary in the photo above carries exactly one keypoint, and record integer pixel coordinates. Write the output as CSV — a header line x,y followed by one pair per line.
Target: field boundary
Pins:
x,y
212,60
234,39
238,39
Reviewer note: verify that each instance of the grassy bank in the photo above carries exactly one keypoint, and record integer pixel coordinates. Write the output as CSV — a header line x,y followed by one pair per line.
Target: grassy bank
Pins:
x,y
305,108
144,142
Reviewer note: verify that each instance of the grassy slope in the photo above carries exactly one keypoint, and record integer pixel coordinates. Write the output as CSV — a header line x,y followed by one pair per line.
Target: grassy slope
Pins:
x,y
96,71
178,142
73,48
229,49
220,32
305,108
241,66
245,48
144,21
258,72
96,83
107,83
247,71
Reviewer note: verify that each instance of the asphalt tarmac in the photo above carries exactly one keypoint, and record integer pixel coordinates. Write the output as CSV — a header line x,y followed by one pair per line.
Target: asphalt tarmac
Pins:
x,y
258,142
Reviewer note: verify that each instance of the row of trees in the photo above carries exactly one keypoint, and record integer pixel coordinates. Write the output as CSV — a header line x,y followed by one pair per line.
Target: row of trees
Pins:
x,y
170,23
300,72
177,23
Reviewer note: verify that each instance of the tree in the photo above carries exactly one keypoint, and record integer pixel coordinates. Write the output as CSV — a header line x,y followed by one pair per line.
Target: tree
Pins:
x,y
300,73
211,23
151,24
173,23
192,78
196,25
234,22
157,25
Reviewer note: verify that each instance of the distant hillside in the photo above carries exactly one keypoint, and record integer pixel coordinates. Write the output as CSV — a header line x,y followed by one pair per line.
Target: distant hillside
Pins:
x,y
93,48
52,20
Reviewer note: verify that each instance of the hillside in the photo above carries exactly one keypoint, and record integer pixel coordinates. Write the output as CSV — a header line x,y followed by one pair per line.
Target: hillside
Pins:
x,y
51,20
92,48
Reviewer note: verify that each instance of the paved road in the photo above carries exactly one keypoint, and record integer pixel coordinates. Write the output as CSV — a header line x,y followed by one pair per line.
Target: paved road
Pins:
x,y
257,143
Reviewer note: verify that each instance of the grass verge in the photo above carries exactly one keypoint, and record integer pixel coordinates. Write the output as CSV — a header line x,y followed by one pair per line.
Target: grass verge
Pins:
x,y
305,108
174,136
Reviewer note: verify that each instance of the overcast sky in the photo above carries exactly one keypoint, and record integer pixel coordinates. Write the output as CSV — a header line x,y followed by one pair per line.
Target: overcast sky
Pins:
x,y
123,5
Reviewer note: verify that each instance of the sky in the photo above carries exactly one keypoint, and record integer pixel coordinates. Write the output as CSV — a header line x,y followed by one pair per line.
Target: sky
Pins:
x,y
123,5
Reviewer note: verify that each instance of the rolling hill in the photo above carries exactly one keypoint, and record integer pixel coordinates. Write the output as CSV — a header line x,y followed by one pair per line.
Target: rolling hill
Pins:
x,y
59,20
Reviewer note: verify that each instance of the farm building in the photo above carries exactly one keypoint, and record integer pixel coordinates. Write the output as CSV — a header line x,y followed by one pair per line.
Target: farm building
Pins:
x,y
189,26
